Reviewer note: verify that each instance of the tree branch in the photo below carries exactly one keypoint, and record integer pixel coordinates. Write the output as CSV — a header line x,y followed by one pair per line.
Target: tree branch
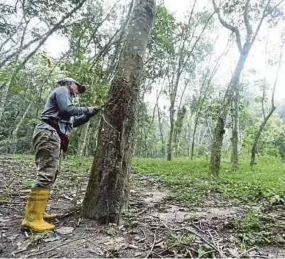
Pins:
x,y
264,14
49,33
277,74
230,27
247,23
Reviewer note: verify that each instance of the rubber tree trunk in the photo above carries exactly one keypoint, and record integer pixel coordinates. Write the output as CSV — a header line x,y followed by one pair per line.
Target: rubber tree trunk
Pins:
x,y
170,136
16,130
83,139
193,137
178,129
3,97
160,126
220,123
235,130
257,137
107,189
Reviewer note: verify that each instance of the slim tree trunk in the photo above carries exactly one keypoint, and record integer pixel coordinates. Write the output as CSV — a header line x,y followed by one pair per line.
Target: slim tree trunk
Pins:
x,y
15,131
193,136
220,123
263,124
244,50
83,139
161,132
235,140
3,97
257,136
169,143
107,189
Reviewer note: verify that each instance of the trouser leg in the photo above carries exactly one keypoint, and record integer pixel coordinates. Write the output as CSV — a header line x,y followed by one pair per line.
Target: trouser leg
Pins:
x,y
47,152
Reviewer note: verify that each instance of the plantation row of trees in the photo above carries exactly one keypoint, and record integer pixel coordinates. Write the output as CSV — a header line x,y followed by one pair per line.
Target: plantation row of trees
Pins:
x,y
196,91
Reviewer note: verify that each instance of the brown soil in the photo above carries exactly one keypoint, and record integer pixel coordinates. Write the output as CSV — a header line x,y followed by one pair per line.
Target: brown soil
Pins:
x,y
153,226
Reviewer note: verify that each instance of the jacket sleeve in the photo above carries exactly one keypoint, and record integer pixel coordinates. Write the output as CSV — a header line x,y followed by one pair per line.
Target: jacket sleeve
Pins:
x,y
66,107
80,120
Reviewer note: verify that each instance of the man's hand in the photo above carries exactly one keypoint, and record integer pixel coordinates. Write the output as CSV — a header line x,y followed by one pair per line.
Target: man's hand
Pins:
x,y
94,110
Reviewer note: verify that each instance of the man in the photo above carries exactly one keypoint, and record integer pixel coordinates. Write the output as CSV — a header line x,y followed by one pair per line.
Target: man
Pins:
x,y
50,137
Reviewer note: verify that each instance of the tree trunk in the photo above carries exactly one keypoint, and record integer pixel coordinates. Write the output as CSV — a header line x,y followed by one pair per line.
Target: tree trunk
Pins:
x,y
178,129
3,97
235,140
83,139
193,137
257,136
220,123
169,143
234,84
161,132
15,131
107,190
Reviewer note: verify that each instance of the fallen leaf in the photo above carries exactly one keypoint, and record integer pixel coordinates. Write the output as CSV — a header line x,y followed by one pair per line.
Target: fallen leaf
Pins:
x,y
52,239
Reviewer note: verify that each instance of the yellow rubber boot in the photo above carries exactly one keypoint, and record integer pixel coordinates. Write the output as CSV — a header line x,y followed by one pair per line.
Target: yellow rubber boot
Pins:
x,y
47,215
35,209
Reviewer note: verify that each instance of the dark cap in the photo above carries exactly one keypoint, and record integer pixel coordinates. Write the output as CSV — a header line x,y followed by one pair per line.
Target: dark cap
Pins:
x,y
81,88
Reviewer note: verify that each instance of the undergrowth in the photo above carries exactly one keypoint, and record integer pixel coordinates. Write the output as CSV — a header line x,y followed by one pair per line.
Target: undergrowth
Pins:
x,y
260,191
191,183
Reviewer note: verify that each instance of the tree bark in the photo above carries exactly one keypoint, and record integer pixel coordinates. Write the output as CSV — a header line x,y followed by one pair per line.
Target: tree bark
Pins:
x,y
84,137
107,190
235,130
15,131
220,123
160,126
178,129
266,118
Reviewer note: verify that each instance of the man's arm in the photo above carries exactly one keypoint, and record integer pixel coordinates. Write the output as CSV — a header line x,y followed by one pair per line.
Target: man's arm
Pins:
x,y
80,120
66,107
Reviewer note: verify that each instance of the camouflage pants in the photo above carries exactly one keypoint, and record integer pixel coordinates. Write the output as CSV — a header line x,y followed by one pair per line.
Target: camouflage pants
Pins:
x,y
46,144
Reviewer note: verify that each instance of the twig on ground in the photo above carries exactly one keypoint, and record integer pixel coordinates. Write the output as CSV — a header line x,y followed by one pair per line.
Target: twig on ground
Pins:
x,y
143,211
53,248
144,238
215,243
189,252
153,244
198,235
199,229
247,251
20,251
63,244
206,241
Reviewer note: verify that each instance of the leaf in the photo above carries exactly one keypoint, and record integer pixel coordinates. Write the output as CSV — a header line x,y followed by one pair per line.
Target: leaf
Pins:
x,y
201,252
28,182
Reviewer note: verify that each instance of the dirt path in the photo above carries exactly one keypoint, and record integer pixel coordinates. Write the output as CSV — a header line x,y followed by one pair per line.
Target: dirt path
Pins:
x,y
153,226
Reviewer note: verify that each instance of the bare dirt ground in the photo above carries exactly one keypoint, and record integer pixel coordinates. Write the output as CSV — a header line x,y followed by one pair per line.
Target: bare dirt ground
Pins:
x,y
153,227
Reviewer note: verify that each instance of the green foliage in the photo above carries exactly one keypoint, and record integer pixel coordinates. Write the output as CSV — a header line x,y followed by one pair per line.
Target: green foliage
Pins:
x,y
271,141
257,227
261,191
191,183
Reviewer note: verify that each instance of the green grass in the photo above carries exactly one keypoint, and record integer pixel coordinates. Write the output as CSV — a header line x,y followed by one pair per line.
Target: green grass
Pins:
x,y
190,179
261,189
